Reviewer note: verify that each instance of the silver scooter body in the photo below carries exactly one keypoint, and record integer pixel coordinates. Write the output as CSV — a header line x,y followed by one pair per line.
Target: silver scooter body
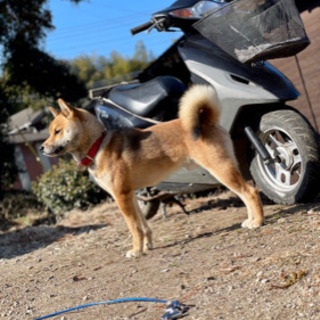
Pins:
x,y
237,85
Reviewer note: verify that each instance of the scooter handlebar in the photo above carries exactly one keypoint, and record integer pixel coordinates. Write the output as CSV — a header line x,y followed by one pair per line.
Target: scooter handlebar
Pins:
x,y
141,28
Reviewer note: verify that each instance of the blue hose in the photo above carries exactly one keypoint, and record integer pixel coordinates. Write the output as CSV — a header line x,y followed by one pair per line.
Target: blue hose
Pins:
x,y
106,302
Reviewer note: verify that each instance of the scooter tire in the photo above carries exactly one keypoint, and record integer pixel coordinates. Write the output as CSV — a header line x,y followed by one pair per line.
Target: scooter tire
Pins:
x,y
149,208
295,174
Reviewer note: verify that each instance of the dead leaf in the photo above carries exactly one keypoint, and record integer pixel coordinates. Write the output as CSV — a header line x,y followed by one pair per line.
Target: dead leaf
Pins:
x,y
292,278
78,278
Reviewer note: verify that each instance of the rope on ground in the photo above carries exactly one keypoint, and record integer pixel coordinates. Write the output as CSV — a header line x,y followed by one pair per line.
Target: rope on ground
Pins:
x,y
174,309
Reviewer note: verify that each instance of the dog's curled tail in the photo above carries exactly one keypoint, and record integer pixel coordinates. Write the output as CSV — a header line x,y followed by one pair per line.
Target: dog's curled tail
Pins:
x,y
199,107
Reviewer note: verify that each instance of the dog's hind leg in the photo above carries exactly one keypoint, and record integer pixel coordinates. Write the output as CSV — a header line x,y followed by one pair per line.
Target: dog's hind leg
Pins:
x,y
229,175
220,161
236,183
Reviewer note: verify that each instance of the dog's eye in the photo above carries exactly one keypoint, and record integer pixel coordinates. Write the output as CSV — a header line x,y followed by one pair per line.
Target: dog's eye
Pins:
x,y
56,132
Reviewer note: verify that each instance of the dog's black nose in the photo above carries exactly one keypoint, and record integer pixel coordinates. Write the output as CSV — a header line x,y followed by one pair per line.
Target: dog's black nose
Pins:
x,y
41,149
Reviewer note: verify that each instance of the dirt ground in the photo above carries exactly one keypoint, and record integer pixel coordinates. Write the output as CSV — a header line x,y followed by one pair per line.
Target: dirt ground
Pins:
x,y
204,260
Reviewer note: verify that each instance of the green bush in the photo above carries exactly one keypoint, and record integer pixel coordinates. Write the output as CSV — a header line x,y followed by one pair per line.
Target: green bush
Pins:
x,y
66,187
16,203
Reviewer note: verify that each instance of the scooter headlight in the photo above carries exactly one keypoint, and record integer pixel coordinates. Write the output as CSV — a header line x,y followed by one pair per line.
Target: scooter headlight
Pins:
x,y
199,10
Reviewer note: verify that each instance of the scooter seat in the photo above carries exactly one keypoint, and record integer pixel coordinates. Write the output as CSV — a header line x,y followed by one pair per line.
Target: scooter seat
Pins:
x,y
143,99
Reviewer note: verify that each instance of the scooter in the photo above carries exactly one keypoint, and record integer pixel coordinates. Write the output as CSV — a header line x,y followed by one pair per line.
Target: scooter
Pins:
x,y
275,145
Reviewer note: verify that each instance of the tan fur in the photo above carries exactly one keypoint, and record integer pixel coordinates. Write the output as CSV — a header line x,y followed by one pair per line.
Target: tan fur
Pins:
x,y
198,108
134,159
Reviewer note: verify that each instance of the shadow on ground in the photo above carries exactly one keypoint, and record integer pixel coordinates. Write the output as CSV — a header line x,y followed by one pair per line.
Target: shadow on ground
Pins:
x,y
22,241
224,204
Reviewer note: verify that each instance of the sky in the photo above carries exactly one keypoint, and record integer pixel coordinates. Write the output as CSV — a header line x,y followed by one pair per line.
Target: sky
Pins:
x,y
100,26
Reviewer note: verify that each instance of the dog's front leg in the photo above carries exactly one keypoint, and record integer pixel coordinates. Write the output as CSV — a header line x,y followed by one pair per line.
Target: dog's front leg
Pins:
x,y
126,203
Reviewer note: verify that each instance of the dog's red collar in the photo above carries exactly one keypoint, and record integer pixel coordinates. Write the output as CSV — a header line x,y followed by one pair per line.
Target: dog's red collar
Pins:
x,y
87,160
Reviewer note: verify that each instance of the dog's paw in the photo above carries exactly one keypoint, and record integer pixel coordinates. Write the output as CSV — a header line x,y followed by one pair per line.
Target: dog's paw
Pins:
x,y
251,224
134,253
147,246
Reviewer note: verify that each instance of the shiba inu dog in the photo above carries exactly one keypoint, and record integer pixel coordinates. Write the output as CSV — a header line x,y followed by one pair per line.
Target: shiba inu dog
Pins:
x,y
124,161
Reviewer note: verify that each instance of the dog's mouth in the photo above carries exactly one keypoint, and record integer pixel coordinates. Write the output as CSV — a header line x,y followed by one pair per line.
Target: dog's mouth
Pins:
x,y
54,152
59,150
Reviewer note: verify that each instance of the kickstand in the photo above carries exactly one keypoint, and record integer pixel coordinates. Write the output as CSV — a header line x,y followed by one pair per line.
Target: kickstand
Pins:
x,y
165,202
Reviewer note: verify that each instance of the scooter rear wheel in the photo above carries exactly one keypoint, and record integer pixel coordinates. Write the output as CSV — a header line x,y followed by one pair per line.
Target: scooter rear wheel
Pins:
x,y
293,175
149,208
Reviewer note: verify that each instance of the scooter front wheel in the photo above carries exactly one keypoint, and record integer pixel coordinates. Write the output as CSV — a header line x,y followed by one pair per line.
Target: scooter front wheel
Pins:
x,y
293,174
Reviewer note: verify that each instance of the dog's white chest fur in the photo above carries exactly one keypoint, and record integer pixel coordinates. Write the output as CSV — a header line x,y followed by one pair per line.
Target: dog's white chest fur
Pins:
x,y
103,182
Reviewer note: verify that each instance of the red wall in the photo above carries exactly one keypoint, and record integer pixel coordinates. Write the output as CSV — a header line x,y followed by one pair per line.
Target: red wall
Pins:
x,y
34,167
309,61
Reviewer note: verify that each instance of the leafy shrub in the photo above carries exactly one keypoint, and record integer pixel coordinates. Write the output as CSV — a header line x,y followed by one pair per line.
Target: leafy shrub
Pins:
x,y
66,187
15,203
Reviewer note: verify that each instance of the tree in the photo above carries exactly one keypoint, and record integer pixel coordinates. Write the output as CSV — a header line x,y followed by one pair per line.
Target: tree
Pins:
x,y
125,68
25,68
42,74
141,57
8,170
92,69
88,69
23,27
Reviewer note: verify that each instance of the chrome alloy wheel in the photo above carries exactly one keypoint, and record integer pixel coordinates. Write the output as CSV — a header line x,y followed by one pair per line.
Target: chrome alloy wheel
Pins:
x,y
285,172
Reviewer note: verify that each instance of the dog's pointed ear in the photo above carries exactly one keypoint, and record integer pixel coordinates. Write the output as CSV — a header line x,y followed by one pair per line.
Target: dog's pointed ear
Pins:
x,y
66,110
53,111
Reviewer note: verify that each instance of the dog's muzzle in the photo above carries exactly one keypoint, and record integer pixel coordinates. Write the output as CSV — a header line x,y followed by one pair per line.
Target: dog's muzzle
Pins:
x,y
53,152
